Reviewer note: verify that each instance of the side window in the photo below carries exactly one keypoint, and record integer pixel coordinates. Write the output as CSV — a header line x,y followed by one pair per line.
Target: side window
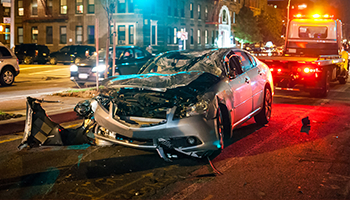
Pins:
x,y
252,59
233,64
246,64
64,49
4,52
128,54
139,54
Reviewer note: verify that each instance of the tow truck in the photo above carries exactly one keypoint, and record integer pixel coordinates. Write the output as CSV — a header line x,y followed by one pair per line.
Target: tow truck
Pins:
x,y
313,56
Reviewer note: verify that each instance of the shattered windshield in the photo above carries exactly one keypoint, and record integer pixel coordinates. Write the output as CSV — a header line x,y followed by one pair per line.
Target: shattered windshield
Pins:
x,y
180,61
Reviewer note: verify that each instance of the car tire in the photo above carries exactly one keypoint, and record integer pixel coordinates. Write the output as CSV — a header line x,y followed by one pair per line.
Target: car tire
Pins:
x,y
325,88
28,60
222,125
7,77
53,61
263,117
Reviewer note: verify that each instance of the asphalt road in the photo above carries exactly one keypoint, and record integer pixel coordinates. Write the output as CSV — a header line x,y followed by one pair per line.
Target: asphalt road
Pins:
x,y
279,161
38,79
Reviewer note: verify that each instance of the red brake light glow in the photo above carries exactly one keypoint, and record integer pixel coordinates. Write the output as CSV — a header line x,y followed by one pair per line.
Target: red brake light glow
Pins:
x,y
306,70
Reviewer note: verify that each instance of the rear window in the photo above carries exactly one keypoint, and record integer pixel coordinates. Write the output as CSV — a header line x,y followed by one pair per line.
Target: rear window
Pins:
x,y
313,32
4,52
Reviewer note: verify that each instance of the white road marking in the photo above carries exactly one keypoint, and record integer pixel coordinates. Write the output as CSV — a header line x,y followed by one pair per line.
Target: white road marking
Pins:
x,y
45,72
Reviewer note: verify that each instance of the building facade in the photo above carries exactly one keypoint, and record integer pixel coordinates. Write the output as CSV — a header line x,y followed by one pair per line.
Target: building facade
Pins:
x,y
159,23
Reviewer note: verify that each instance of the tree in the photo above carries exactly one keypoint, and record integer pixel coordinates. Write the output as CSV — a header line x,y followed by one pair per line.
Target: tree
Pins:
x,y
109,6
270,24
247,30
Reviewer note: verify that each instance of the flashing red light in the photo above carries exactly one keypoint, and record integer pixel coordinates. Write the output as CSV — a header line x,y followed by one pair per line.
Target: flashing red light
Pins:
x,y
316,16
306,70
271,69
326,16
298,15
279,70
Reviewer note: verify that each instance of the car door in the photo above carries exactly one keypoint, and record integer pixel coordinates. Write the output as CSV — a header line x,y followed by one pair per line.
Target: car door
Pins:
x,y
256,78
241,91
63,55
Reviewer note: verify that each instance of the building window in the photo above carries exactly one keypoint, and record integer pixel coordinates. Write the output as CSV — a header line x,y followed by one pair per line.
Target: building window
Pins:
x,y
79,8
20,8
169,35
153,35
49,6
7,36
34,7
199,36
121,34
182,9
79,35
212,37
175,35
63,7
191,36
175,9
35,33
121,8
234,17
199,12
49,38
169,7
112,7
63,35
20,35
111,34
131,6
91,34
206,36
91,7
206,13
131,34
191,10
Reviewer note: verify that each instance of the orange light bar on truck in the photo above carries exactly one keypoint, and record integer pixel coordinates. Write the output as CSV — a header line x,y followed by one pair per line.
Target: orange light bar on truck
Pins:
x,y
316,16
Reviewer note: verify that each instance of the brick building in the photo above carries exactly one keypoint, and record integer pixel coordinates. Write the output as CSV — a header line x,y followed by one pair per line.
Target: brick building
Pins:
x,y
57,23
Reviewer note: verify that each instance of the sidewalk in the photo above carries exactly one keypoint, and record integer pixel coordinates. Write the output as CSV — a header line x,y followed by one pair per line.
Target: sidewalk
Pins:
x,y
58,112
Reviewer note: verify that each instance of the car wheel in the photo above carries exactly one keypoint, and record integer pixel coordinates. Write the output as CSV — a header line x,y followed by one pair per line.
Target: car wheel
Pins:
x,y
53,61
222,126
7,77
325,88
263,117
28,60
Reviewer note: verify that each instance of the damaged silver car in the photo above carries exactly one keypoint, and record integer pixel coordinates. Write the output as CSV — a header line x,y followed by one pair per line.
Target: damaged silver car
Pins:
x,y
187,101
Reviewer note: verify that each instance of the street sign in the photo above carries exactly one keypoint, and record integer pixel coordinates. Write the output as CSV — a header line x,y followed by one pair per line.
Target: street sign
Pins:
x,y
184,35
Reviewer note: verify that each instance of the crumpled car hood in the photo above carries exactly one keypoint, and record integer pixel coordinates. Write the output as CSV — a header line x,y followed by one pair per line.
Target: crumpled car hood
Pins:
x,y
154,81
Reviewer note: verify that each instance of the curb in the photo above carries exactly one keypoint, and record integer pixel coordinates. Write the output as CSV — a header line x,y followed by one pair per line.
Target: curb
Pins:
x,y
18,125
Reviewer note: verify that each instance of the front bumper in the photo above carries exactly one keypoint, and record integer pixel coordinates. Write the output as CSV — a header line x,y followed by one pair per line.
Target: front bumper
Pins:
x,y
169,130
86,77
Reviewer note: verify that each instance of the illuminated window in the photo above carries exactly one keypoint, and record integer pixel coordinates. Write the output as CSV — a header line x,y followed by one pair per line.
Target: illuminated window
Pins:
x,y
175,35
91,34
131,34
49,36
63,6
79,35
34,7
35,33
20,35
199,12
20,8
121,34
7,36
79,8
91,6
206,12
63,35
199,36
121,6
131,6
191,10
206,36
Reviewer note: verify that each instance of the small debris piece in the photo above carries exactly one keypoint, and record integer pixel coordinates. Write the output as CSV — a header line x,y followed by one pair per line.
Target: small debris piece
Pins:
x,y
306,121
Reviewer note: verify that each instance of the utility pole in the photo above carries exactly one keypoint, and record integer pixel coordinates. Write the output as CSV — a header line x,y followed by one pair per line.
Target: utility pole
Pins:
x,y
12,25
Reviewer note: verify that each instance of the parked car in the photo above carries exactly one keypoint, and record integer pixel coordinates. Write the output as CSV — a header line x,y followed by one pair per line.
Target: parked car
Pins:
x,y
129,60
9,68
30,53
71,54
187,101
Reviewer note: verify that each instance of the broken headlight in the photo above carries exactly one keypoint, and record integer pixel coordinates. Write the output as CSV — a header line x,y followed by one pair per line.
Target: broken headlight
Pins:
x,y
200,108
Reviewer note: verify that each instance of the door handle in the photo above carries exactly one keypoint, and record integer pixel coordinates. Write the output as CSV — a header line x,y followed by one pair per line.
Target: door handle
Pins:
x,y
247,80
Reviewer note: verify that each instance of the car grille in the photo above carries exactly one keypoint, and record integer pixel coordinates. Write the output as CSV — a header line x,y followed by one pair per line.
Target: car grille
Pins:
x,y
84,69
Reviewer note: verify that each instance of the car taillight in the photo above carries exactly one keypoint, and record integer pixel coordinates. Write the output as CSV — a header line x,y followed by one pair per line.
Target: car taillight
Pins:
x,y
36,52
306,70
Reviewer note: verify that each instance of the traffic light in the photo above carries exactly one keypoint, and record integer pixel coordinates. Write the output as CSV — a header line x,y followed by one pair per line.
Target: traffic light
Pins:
x,y
2,28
